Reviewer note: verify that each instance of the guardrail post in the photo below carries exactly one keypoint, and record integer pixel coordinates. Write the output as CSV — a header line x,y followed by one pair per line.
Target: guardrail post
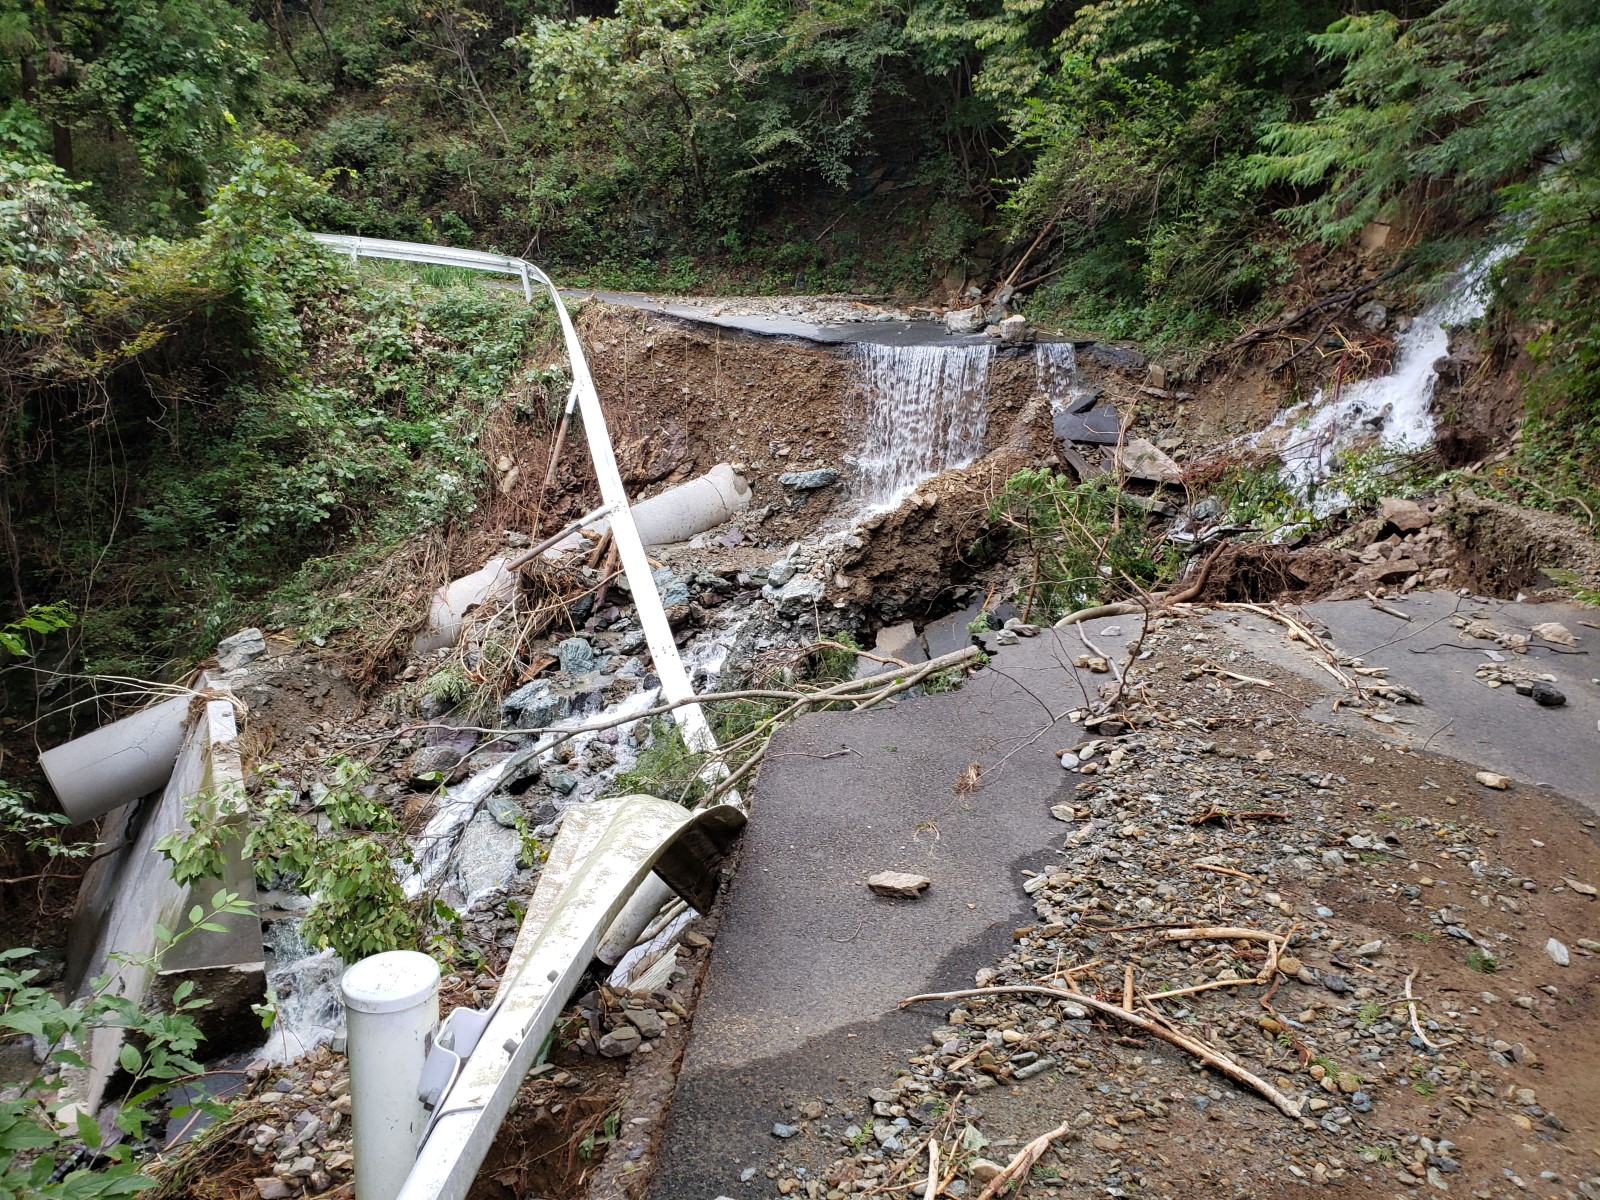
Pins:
x,y
391,1004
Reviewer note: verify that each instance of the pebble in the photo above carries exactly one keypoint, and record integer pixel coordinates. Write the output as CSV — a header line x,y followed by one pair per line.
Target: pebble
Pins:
x,y
1557,952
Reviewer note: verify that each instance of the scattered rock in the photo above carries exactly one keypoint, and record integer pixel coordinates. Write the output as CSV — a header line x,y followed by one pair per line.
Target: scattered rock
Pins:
x,y
1014,329
577,656
1406,516
1555,632
1557,952
900,884
1491,780
620,1042
272,1188
809,481
240,650
1140,459
781,1130
433,765
962,321
1547,695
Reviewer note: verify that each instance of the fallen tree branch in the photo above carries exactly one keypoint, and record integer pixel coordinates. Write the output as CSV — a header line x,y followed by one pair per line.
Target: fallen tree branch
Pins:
x,y
1334,300
1386,608
1120,609
1200,1050
1024,1160
1221,814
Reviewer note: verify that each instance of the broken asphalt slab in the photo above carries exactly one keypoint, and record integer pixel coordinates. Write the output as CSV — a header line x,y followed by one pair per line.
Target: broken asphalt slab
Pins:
x,y
799,1017
1461,717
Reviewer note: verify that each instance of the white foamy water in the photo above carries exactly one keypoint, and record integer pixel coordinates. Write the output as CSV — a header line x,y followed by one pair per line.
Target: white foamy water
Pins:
x,y
1055,374
927,411
306,985
1394,409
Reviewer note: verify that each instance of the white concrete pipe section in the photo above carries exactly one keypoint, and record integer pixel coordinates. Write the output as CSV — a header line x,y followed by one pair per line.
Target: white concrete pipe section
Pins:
x,y
452,603
391,1004
702,503
119,762
605,848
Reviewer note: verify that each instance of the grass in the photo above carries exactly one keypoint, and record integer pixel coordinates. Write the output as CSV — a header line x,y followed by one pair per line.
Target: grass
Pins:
x,y
1482,961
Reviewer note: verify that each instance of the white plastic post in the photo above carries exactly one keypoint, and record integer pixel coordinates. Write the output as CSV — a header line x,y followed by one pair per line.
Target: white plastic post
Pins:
x,y
391,1006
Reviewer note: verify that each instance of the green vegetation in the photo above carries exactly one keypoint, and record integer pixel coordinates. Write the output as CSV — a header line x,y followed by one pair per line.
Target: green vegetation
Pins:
x,y
1482,961
158,1051
341,851
1085,543
229,411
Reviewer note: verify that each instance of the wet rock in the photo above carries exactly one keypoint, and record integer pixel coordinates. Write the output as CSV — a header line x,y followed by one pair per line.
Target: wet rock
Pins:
x,y
433,765
486,856
506,811
1140,459
1373,315
240,650
674,590
1014,329
809,481
577,655
534,706
899,884
521,772
1547,695
798,595
562,782
1100,426
780,572
1118,358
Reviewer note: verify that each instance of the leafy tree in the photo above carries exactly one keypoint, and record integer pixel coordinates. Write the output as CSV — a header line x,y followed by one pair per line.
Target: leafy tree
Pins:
x,y
154,77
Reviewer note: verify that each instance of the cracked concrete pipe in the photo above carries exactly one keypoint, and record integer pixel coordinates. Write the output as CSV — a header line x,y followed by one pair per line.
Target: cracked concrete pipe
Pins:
x,y
117,763
702,503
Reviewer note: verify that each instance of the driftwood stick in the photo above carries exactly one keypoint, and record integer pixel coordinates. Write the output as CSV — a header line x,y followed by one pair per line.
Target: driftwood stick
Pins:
x,y
1127,986
1206,1054
1223,870
1416,1025
1386,608
932,1188
1219,933
1023,1162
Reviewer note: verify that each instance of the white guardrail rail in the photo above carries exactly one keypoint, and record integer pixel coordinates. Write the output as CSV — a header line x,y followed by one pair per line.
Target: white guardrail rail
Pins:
x,y
612,867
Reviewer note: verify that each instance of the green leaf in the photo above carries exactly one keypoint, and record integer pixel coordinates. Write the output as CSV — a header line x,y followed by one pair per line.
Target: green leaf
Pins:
x,y
88,1130
130,1058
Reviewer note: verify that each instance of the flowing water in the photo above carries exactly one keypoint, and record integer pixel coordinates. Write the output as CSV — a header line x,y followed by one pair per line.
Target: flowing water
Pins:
x,y
1310,438
927,411
305,983
1055,373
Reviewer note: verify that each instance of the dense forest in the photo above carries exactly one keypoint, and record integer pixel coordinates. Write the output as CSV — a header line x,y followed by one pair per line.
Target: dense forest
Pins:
x,y
181,420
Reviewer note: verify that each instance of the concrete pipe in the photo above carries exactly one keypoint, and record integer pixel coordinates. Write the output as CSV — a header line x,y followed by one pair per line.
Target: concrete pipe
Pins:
x,y
391,1004
450,605
117,763
703,503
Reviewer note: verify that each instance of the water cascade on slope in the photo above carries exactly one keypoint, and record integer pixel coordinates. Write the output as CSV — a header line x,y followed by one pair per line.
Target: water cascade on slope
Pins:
x,y
305,987
1055,373
927,411
1395,408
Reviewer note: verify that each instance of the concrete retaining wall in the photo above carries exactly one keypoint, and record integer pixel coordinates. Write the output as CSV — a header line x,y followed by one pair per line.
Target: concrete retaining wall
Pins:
x,y
126,894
